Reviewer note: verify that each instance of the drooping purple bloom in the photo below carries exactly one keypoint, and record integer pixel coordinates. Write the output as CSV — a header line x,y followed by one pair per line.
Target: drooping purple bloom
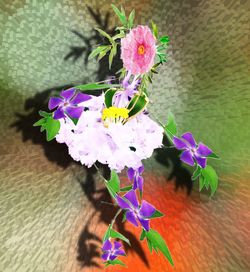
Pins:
x,y
134,211
192,152
68,103
135,175
111,252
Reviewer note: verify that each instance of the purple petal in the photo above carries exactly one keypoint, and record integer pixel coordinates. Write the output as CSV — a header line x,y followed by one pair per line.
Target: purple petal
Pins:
x,y
74,112
122,203
203,150
119,252
130,216
54,102
134,184
201,161
117,245
187,157
131,173
144,223
58,114
105,256
79,98
112,257
131,197
140,183
141,169
188,136
68,94
147,209
107,246
179,143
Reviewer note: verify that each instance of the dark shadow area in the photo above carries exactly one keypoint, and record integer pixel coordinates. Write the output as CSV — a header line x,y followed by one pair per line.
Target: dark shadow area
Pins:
x,y
170,157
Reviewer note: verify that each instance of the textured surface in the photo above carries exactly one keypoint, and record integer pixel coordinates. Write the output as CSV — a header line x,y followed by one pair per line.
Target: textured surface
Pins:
x,y
48,217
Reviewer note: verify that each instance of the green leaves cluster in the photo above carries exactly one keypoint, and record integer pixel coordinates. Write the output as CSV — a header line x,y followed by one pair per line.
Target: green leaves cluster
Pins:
x,y
47,123
161,49
156,243
127,23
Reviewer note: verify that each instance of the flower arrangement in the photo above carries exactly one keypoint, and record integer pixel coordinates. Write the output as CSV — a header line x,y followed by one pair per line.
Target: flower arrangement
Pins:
x,y
114,128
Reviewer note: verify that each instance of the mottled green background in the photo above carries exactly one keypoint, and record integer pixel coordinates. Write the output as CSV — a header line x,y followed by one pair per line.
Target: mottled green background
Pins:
x,y
205,84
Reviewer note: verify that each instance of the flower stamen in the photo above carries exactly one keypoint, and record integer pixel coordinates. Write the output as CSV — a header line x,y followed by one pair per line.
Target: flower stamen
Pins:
x,y
141,49
114,114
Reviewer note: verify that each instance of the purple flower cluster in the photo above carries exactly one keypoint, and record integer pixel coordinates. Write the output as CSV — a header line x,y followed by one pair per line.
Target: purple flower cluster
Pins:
x,y
135,175
192,152
68,103
111,252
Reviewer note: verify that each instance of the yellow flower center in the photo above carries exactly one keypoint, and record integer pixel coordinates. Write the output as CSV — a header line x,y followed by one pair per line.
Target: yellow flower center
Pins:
x,y
141,49
114,114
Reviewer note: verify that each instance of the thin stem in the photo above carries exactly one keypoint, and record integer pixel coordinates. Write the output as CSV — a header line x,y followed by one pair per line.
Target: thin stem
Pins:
x,y
116,215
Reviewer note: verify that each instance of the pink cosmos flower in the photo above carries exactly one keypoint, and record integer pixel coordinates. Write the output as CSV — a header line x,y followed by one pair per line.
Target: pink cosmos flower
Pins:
x,y
138,50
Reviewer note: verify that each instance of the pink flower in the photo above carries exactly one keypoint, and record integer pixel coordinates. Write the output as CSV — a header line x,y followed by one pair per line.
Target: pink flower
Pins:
x,y
138,50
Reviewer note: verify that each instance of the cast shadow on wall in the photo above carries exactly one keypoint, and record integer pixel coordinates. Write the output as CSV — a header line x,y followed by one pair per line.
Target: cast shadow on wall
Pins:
x,y
89,243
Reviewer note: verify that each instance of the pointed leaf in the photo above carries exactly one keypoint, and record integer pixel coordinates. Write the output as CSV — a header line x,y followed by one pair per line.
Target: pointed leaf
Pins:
x,y
155,29
107,233
105,34
156,214
120,15
126,189
116,261
52,128
131,19
211,177
196,173
113,184
115,234
40,122
95,86
109,94
137,105
164,39
171,128
213,156
98,50
143,235
44,113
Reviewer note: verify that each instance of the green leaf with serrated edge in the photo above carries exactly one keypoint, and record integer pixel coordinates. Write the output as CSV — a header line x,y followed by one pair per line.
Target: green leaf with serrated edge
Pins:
x,y
213,156
105,34
52,128
143,235
126,189
131,19
196,173
44,113
164,39
211,177
98,50
155,238
116,261
156,214
40,122
120,15
137,105
115,234
108,97
155,29
95,86
107,233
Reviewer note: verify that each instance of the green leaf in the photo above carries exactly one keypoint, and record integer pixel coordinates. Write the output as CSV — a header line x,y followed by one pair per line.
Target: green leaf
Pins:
x,y
201,182
40,122
196,173
155,29
109,94
213,156
131,19
115,234
119,36
113,184
44,113
105,34
95,86
137,105
112,55
171,128
52,128
156,214
107,233
98,50
164,39
158,243
143,235
121,15
211,178
103,53
150,246
114,262
126,189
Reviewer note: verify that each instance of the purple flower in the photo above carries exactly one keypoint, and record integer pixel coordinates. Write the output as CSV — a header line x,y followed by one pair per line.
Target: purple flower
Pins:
x,y
111,252
68,103
136,176
134,212
192,152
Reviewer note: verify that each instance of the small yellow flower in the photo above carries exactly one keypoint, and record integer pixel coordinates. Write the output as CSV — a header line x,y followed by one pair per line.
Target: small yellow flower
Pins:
x,y
114,114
